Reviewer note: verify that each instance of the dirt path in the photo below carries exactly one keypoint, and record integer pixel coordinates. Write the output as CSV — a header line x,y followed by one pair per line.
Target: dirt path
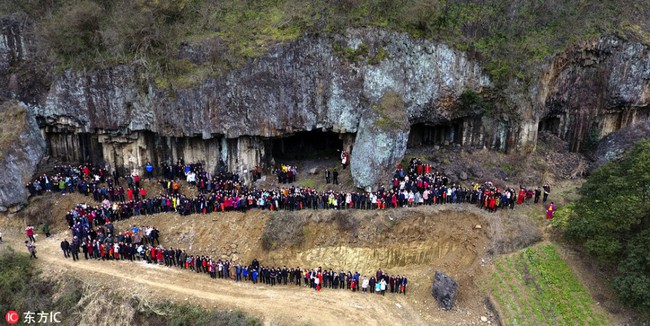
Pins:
x,y
274,305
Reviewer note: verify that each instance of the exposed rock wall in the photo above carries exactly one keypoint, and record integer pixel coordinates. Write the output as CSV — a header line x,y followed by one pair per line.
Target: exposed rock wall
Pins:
x,y
594,89
308,84
121,116
381,140
304,85
24,72
615,145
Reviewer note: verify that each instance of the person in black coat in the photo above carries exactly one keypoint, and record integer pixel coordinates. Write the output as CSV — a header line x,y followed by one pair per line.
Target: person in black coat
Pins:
x,y
74,248
65,246
84,248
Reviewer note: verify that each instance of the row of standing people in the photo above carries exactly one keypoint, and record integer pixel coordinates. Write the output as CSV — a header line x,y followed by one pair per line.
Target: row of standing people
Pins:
x,y
142,243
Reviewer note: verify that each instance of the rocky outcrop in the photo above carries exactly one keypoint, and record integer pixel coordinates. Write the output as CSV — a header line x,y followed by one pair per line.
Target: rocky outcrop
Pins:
x,y
23,71
309,84
21,149
593,89
381,141
614,146
304,85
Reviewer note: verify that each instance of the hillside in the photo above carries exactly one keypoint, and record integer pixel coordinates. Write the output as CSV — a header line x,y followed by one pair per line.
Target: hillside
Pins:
x,y
247,84
248,94
513,39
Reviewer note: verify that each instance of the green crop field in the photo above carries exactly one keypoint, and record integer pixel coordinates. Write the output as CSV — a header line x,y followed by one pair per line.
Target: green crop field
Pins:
x,y
536,286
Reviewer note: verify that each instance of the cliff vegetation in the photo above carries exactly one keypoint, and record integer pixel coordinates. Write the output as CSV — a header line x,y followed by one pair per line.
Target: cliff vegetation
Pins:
x,y
13,120
513,38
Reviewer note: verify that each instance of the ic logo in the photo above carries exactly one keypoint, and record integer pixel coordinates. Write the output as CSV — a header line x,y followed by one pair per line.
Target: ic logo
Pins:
x,y
12,317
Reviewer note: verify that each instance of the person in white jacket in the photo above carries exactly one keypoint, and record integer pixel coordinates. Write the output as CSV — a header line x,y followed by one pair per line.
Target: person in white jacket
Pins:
x,y
364,284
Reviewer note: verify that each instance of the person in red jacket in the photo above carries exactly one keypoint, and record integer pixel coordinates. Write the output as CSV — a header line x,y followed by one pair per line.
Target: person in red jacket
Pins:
x,y
29,231
159,256
520,196
345,159
320,281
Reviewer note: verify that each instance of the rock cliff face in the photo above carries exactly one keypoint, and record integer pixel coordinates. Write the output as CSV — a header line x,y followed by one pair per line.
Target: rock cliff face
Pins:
x,y
310,84
23,72
336,84
594,89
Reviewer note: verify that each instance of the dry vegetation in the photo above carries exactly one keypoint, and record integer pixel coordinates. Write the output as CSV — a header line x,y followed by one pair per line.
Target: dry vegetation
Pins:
x,y
513,39
390,113
13,118
85,299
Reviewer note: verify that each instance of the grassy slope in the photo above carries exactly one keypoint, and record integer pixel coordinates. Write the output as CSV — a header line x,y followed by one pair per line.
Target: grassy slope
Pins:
x,y
536,286
512,38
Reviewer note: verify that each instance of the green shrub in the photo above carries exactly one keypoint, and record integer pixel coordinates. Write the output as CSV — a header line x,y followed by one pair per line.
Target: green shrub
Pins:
x,y
190,315
612,221
350,54
379,56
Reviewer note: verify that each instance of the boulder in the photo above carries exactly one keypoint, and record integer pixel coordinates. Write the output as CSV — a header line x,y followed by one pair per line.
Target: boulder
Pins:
x,y
380,142
463,176
476,171
313,171
500,173
444,290
614,146
21,148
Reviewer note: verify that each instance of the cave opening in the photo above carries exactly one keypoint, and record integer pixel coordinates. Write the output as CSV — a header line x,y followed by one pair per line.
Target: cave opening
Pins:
x,y
74,147
425,134
306,145
550,124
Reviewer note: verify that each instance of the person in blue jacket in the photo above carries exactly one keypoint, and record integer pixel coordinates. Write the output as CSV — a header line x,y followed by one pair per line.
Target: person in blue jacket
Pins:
x,y
254,276
149,169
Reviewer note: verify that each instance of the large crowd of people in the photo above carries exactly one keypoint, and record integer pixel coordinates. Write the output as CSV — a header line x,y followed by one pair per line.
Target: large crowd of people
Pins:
x,y
416,185
93,233
142,243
